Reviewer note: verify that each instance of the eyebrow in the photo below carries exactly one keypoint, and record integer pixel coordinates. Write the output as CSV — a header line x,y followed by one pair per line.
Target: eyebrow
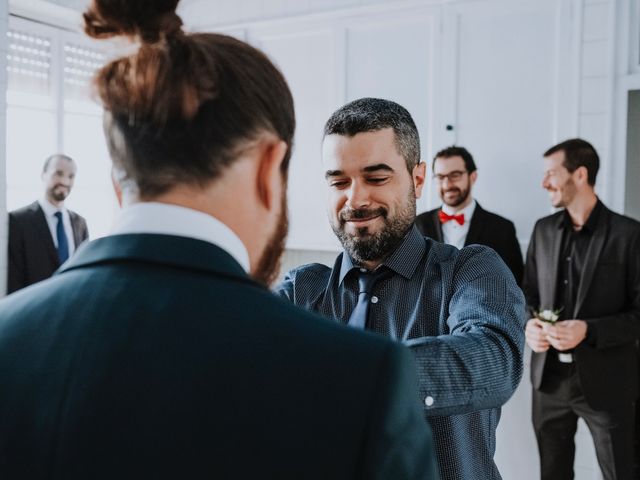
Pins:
x,y
369,169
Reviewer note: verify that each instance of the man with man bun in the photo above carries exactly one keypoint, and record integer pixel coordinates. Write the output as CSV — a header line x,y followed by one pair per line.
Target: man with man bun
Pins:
x,y
158,351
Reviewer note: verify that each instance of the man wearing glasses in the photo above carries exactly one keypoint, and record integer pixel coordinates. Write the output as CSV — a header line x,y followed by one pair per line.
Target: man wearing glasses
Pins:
x,y
461,221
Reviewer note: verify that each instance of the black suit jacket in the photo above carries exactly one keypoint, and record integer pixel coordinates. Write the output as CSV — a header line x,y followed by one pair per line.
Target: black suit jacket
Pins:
x,y
155,356
32,253
608,299
485,228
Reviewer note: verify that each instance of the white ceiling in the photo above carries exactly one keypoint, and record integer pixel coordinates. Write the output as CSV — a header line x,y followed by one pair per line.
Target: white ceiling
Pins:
x,y
78,5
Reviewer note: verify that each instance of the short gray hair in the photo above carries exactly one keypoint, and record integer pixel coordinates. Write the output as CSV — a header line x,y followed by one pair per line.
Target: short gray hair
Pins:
x,y
373,114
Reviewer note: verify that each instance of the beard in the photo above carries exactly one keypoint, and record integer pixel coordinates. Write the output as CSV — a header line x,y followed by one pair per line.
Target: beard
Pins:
x,y
268,267
567,194
364,246
459,199
58,193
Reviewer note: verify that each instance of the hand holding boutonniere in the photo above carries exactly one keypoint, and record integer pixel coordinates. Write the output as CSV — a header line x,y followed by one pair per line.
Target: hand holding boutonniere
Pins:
x,y
548,316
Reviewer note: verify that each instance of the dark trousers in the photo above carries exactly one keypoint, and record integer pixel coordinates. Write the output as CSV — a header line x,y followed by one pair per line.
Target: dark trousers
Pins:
x,y
558,405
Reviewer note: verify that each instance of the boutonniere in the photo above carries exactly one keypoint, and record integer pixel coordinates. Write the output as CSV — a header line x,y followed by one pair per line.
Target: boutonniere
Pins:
x,y
549,316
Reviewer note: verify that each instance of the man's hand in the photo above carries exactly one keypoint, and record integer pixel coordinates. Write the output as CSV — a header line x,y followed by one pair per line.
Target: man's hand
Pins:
x,y
566,334
536,336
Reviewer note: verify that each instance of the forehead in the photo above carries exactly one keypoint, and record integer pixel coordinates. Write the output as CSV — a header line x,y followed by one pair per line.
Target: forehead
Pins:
x,y
341,152
554,161
449,164
61,163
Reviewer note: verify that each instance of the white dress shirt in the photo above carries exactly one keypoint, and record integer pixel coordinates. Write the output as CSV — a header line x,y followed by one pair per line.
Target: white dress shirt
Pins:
x,y
166,219
452,232
52,221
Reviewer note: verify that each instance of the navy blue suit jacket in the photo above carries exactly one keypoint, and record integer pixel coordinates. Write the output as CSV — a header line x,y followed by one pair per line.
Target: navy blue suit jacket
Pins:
x,y
152,356
32,253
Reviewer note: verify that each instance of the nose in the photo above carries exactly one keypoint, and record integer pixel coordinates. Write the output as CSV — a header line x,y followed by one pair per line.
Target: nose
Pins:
x,y
358,196
545,182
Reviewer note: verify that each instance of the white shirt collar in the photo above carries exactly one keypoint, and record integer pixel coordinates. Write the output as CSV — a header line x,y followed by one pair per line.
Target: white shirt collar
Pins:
x,y
49,209
166,219
467,211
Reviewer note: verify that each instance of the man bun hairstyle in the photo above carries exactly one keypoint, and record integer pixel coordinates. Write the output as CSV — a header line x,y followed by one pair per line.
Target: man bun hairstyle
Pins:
x,y
578,153
148,20
182,108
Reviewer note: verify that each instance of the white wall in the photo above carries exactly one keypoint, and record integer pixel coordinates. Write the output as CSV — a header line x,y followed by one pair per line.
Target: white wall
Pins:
x,y
4,18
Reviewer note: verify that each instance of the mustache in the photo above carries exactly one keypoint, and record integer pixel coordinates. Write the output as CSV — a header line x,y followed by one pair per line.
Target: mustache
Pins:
x,y
350,214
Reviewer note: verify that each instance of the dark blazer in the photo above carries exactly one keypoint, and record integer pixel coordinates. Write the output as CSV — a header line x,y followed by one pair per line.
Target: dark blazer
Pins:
x,y
608,299
155,356
485,228
32,253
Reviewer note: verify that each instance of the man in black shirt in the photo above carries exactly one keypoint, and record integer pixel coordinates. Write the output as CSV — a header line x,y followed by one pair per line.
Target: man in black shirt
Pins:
x,y
583,263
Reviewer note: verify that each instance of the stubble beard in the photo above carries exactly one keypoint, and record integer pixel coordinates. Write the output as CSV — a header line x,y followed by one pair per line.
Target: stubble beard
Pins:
x,y
460,199
363,246
268,267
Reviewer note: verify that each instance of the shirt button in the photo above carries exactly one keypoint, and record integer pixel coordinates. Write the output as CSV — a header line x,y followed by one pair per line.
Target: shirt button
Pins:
x,y
374,299
566,282
568,259
428,401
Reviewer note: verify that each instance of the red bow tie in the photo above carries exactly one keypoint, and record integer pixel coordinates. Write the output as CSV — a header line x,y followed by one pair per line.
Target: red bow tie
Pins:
x,y
444,218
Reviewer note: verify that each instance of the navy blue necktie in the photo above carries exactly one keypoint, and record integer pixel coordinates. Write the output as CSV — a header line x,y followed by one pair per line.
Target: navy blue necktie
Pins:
x,y
63,243
366,281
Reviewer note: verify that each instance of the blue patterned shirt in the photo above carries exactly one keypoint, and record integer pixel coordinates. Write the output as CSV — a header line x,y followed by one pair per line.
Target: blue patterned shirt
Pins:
x,y
462,314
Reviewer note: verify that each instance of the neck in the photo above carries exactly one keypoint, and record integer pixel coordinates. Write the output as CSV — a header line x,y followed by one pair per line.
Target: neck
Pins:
x,y
55,203
219,199
463,205
581,207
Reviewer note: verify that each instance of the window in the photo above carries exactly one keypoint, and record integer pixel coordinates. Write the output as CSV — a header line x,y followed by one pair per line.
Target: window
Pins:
x,y
50,110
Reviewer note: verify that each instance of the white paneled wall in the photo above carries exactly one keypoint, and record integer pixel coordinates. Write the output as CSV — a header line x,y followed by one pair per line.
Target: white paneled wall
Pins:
x,y
596,84
4,20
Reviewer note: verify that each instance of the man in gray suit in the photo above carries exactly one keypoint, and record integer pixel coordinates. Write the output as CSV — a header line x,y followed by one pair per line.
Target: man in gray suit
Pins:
x,y
583,262
158,351
44,234
460,311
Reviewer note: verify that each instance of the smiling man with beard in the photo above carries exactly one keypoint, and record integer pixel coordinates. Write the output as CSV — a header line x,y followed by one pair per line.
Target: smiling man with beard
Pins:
x,y
44,234
460,311
461,221
583,262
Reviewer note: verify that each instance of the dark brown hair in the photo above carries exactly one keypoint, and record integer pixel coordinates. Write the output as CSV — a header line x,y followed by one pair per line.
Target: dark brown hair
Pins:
x,y
578,153
455,151
184,106
375,114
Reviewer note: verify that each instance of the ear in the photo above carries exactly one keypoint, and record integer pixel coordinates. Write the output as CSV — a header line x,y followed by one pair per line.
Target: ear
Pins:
x,y
473,176
419,175
581,175
269,179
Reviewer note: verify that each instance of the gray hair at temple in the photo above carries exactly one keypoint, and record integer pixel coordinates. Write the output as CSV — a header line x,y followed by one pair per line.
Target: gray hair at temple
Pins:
x,y
53,157
372,115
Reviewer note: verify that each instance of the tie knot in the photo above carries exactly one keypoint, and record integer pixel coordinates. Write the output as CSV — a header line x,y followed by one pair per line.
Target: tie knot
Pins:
x,y
58,215
366,279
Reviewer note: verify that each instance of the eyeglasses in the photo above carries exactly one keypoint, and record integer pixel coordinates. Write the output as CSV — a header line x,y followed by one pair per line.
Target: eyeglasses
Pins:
x,y
451,176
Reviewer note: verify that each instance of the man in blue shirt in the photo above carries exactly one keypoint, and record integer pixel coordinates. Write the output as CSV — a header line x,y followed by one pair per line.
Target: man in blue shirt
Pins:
x,y
460,311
